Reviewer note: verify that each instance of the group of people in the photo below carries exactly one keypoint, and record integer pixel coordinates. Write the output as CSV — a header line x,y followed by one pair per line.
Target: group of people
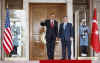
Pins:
x,y
65,34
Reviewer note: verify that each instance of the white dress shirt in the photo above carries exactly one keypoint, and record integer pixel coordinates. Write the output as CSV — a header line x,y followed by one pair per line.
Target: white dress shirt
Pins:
x,y
65,23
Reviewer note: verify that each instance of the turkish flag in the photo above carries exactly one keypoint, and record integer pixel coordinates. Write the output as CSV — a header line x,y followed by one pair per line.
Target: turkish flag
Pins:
x,y
95,35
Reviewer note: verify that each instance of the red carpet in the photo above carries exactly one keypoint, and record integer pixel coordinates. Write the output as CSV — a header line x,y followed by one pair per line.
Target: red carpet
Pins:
x,y
65,61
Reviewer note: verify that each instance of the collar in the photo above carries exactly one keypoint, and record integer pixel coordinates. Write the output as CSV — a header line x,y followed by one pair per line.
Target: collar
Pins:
x,y
65,22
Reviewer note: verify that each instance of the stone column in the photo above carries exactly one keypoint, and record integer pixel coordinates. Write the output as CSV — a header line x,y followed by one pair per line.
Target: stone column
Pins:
x,y
26,28
69,8
90,23
0,29
76,34
3,15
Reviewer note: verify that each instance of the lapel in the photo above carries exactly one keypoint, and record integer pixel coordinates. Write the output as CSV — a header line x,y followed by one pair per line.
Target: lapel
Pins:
x,y
63,30
62,26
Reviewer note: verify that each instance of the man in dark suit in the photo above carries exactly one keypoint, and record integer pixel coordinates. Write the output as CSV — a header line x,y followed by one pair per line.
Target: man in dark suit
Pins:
x,y
51,34
66,34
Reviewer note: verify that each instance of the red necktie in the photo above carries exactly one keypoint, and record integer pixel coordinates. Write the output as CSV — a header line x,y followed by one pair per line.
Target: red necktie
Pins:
x,y
52,24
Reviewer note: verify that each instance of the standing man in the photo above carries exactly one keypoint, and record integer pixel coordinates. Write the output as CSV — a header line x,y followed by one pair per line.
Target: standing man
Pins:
x,y
66,34
51,34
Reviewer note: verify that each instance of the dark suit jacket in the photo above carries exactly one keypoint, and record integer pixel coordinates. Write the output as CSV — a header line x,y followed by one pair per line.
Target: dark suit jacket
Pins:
x,y
67,33
50,32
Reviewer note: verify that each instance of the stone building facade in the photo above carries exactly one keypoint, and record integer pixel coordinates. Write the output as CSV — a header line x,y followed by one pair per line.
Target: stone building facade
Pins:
x,y
73,10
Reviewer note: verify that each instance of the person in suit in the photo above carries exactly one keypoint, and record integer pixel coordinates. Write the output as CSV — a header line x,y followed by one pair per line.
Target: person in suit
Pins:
x,y
51,34
66,35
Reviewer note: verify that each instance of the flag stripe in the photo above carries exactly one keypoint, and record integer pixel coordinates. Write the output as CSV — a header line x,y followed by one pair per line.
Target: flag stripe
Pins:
x,y
8,44
8,41
8,29
9,36
5,49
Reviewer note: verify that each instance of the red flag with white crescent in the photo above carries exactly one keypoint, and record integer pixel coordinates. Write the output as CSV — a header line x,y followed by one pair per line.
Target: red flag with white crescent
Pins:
x,y
95,35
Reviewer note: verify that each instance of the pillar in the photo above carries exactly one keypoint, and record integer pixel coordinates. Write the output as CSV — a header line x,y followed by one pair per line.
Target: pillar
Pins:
x,y
0,29
69,8
3,15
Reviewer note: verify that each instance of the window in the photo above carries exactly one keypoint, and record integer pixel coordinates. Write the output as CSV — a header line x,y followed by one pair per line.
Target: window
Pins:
x,y
17,21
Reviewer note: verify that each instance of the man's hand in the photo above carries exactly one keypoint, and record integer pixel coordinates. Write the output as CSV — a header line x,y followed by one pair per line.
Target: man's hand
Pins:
x,y
57,39
71,39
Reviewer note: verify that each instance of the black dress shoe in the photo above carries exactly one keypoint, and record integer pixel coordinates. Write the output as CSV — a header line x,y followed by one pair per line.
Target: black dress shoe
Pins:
x,y
69,58
63,59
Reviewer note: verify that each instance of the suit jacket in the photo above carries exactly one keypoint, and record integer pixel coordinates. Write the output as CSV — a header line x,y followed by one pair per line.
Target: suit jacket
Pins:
x,y
66,33
50,32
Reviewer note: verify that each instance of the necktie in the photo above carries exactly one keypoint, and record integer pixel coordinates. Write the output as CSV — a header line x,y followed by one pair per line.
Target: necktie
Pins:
x,y
52,24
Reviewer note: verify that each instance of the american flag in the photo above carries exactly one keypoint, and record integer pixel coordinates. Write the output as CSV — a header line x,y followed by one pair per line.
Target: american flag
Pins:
x,y
7,39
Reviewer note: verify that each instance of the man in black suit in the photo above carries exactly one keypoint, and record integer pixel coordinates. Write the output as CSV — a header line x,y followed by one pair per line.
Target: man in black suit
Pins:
x,y
66,34
51,34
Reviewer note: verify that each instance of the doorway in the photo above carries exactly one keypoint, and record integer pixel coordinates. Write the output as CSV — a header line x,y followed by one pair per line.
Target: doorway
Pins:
x,y
38,12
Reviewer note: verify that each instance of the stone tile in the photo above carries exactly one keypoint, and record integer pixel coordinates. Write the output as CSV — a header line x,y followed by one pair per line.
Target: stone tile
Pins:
x,y
96,61
13,61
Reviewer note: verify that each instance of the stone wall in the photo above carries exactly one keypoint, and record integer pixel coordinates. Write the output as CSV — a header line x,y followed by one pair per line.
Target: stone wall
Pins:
x,y
48,1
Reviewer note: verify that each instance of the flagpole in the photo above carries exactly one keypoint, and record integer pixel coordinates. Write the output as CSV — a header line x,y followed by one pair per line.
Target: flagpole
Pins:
x,y
6,17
